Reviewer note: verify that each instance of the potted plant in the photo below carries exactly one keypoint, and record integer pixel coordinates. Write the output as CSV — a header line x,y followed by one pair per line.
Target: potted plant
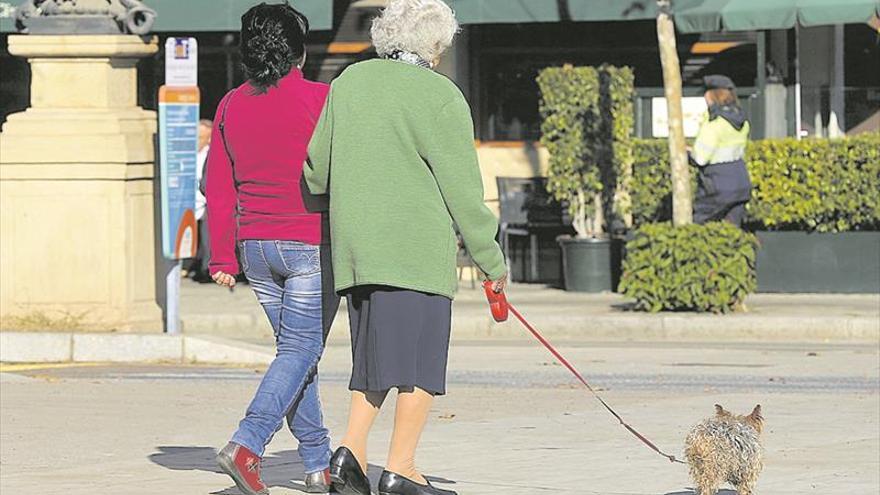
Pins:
x,y
587,129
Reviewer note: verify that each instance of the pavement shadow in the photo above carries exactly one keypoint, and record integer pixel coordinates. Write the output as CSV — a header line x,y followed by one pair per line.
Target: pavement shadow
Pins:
x,y
626,307
280,469
692,492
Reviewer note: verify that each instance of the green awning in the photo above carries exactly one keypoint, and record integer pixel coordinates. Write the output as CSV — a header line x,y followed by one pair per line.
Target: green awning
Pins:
x,y
512,11
225,15
214,15
690,15
746,15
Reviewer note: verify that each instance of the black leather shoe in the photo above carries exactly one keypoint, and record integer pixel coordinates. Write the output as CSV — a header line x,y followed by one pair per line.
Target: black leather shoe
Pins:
x,y
395,484
346,474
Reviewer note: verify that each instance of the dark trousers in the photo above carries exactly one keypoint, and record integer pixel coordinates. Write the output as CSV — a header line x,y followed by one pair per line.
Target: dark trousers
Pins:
x,y
198,266
329,298
204,253
723,190
711,211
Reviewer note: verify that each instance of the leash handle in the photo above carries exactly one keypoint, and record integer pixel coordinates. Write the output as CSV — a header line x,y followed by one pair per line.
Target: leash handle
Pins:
x,y
497,302
500,307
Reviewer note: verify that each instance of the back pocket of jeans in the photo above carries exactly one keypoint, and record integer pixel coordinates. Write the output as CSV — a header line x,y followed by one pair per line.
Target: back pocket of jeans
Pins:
x,y
299,258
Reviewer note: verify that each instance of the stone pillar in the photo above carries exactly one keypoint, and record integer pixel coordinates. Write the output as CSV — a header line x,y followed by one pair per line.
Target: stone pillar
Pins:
x,y
76,187
816,54
837,89
775,111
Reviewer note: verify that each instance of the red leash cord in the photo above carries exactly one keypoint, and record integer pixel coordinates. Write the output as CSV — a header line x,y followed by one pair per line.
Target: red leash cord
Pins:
x,y
499,306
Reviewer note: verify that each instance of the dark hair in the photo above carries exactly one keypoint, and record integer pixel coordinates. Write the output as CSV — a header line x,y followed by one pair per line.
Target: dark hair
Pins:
x,y
272,42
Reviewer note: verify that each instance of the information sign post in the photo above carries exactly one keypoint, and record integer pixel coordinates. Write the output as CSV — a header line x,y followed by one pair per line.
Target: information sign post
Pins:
x,y
178,151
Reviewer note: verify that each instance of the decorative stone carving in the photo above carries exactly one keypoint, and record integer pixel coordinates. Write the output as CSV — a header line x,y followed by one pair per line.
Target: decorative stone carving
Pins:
x,y
84,17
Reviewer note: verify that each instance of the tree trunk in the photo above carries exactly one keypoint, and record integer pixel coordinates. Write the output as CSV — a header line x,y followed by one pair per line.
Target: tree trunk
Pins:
x,y
580,219
599,216
622,195
682,209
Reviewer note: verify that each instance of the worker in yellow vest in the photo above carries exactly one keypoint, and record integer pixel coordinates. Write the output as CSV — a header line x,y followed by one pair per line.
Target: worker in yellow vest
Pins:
x,y
723,185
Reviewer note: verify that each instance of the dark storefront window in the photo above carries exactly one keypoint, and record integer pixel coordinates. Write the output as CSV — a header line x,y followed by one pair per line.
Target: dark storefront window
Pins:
x,y
862,80
506,60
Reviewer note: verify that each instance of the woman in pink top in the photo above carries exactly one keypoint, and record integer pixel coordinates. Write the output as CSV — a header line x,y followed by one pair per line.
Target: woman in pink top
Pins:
x,y
261,133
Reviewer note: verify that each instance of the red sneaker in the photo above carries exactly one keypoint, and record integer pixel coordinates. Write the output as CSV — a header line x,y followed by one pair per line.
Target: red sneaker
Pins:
x,y
244,468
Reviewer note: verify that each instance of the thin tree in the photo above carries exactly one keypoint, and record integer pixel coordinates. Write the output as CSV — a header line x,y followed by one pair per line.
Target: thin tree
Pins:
x,y
682,208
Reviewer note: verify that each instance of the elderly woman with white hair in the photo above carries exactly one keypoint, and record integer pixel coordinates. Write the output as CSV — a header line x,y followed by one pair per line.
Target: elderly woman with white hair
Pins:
x,y
394,149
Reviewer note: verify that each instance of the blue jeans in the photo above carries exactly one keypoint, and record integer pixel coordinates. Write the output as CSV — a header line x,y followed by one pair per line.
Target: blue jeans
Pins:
x,y
286,277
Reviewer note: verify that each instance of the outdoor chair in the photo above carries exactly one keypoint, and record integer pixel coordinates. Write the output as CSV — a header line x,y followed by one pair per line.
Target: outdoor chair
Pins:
x,y
528,210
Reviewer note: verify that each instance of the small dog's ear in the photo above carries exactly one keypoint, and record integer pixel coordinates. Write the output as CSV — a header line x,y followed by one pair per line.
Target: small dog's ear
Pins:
x,y
720,410
756,412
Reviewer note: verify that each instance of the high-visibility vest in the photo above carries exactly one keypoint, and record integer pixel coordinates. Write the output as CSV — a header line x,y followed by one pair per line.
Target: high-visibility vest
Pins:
x,y
719,142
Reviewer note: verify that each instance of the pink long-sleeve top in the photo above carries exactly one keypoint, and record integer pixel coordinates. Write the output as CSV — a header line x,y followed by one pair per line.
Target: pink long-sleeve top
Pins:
x,y
257,195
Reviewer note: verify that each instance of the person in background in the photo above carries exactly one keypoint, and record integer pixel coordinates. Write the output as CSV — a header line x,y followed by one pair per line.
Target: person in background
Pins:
x,y
199,267
395,151
260,136
723,184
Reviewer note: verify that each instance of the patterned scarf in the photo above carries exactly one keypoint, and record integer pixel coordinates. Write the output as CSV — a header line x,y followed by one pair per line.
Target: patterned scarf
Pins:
x,y
409,58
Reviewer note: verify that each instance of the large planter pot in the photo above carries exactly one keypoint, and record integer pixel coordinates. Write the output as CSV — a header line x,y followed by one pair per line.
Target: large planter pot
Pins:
x,y
590,265
845,262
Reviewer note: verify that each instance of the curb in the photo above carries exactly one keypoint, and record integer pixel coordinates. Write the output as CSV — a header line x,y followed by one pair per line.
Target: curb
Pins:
x,y
676,328
26,347
38,347
33,347
631,326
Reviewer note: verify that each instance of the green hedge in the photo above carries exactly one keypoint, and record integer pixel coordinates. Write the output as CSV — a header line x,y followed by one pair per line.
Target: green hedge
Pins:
x,y
811,185
695,267
651,187
816,184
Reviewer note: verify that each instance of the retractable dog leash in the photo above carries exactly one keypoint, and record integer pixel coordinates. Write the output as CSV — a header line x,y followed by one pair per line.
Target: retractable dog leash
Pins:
x,y
500,309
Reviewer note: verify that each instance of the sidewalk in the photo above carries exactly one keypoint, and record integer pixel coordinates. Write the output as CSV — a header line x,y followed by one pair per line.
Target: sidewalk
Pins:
x,y
207,309
229,327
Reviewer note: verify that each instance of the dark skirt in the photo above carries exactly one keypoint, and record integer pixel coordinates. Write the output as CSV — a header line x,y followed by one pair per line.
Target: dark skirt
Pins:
x,y
399,339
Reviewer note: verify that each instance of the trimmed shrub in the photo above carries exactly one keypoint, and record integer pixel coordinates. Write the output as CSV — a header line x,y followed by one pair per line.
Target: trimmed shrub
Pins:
x,y
708,268
587,129
617,94
810,185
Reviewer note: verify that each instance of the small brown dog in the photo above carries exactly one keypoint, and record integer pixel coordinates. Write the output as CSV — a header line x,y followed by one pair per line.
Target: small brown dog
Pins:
x,y
726,447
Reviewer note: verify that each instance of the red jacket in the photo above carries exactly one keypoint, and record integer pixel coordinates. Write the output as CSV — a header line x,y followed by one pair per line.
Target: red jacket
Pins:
x,y
267,136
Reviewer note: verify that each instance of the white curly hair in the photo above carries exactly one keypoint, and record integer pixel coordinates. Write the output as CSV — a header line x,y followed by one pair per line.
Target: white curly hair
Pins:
x,y
423,27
